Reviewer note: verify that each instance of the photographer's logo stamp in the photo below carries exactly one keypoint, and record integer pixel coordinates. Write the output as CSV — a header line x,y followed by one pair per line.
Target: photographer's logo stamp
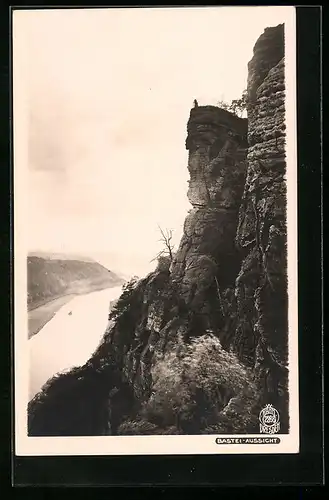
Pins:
x,y
269,419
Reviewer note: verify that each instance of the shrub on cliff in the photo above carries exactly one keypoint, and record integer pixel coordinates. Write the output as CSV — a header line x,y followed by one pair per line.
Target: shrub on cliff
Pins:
x,y
237,106
143,427
126,298
70,404
193,384
240,416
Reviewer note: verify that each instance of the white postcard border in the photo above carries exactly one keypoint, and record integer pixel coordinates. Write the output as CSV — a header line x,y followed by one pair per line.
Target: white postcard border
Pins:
x,y
143,445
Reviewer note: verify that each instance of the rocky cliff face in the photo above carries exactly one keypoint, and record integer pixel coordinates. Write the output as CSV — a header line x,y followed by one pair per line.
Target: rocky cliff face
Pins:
x,y
207,256
207,260
261,286
200,344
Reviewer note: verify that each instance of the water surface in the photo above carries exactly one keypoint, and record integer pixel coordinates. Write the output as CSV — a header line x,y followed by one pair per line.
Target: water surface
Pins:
x,y
69,340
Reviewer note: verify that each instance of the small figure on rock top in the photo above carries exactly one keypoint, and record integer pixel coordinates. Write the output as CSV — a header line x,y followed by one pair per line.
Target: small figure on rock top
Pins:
x,y
195,103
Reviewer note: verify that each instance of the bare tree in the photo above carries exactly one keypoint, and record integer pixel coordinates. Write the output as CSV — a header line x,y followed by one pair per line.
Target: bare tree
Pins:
x,y
166,239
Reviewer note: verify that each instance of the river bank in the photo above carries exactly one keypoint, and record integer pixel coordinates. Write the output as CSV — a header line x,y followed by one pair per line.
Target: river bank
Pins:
x,y
70,337
39,316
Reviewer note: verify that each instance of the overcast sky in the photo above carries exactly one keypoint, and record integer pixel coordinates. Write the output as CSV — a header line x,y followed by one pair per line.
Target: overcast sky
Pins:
x,y
109,93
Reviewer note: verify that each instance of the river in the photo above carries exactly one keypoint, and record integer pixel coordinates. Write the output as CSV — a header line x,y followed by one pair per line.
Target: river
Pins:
x,y
68,340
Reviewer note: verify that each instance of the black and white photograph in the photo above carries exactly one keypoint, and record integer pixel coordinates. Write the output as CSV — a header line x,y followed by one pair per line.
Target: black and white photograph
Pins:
x,y
155,192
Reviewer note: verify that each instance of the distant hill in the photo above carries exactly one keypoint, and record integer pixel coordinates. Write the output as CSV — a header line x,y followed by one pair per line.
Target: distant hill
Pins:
x,y
60,256
53,275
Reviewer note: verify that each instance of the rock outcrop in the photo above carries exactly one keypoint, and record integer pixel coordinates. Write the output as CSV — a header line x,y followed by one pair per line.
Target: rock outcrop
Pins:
x,y
219,307
217,145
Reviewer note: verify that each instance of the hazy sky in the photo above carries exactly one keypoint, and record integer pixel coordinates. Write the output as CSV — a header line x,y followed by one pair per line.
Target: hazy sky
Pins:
x,y
109,93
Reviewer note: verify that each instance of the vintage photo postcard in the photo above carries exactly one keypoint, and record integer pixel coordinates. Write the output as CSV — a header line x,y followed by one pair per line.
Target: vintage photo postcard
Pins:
x,y
155,231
